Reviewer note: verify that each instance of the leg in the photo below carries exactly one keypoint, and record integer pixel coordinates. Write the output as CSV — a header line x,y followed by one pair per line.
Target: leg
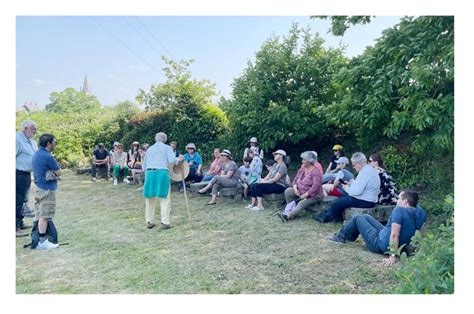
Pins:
x,y
150,209
165,206
363,225
116,171
126,170
45,206
94,171
23,182
303,205
289,195
335,211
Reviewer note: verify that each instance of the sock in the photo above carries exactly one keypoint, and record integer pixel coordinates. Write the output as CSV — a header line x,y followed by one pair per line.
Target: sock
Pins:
x,y
42,237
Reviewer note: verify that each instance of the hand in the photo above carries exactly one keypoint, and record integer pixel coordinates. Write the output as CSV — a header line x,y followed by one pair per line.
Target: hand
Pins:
x,y
345,187
304,196
297,193
180,157
190,163
198,172
388,262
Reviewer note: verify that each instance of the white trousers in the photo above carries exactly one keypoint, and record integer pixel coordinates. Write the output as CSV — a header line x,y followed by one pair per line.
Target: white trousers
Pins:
x,y
165,205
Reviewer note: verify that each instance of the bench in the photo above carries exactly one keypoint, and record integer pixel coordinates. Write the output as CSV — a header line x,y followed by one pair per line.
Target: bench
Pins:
x,y
234,193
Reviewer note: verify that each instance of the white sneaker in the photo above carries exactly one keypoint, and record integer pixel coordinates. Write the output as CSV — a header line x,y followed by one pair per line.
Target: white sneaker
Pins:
x,y
125,180
46,245
115,182
256,208
249,206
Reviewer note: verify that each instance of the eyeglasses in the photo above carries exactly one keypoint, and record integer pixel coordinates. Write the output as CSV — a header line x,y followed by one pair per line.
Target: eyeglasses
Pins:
x,y
335,150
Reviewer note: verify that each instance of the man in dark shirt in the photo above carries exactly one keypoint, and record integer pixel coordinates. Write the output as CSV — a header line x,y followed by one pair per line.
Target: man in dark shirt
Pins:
x,y
100,159
402,224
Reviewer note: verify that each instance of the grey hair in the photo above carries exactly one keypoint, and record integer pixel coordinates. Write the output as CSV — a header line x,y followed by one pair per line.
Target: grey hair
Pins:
x,y
310,156
359,158
27,124
161,137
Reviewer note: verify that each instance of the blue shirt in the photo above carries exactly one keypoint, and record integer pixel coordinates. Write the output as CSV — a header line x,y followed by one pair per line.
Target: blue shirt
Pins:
x,y
196,158
25,149
42,162
159,156
366,186
410,219
256,167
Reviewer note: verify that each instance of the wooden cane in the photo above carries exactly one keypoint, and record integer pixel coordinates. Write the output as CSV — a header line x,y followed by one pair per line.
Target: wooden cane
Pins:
x,y
185,196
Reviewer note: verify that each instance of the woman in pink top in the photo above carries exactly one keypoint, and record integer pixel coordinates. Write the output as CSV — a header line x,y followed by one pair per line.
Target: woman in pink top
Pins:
x,y
215,167
307,188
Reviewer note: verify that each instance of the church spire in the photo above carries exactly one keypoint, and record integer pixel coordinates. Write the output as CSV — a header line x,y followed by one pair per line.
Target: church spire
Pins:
x,y
85,87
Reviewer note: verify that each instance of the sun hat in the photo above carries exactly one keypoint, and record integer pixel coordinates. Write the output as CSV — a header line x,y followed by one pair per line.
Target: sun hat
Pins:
x,y
227,153
116,143
337,147
135,143
281,152
253,140
178,172
342,160
191,145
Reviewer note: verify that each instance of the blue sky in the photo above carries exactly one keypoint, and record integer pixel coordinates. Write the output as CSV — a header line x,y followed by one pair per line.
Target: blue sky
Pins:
x,y
122,54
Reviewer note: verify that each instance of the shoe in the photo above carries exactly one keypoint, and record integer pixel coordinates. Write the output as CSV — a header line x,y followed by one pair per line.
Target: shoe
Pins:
x,y
256,208
94,179
115,182
150,225
126,181
213,203
249,206
46,245
336,238
20,233
140,188
283,217
164,226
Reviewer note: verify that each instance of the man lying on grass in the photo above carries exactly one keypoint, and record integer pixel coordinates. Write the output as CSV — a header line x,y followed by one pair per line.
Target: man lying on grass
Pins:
x,y
405,219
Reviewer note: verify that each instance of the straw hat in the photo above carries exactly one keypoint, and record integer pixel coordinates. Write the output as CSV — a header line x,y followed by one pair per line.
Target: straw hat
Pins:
x,y
178,172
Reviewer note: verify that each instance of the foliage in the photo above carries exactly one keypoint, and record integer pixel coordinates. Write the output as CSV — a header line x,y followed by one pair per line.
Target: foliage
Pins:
x,y
182,107
71,100
339,24
431,270
402,87
277,97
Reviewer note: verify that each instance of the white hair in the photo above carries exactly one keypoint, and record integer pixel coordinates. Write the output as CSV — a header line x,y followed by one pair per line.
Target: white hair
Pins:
x,y
27,123
359,158
161,137
310,156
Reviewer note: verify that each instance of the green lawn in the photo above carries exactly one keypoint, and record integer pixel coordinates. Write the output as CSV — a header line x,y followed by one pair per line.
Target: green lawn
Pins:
x,y
224,249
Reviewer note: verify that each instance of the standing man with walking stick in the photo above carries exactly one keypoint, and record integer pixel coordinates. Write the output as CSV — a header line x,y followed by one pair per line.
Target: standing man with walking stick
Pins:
x,y
157,180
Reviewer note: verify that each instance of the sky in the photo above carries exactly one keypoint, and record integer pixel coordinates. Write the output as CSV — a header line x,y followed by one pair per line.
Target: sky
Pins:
x,y
122,54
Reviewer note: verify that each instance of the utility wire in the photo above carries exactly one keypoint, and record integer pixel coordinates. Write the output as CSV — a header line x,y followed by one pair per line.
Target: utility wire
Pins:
x,y
140,34
122,43
154,36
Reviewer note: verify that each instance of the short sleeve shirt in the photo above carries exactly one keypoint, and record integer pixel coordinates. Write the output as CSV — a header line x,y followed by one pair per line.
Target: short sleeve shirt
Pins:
x,y
279,168
101,156
42,162
232,166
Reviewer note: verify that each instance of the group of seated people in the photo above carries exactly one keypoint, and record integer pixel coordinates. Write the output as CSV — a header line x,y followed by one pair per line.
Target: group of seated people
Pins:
x,y
372,185
119,162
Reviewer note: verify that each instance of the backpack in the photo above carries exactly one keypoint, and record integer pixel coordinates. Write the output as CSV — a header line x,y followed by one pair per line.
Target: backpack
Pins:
x,y
51,233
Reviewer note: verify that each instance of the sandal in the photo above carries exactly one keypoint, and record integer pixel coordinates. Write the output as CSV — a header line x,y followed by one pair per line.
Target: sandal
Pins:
x,y
213,203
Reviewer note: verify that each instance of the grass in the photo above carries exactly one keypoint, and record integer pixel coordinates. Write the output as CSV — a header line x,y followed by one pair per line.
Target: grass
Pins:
x,y
224,249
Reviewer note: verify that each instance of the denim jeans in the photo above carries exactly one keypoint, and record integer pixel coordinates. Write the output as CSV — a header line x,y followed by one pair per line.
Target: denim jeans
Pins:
x,y
208,178
339,205
94,169
23,182
365,225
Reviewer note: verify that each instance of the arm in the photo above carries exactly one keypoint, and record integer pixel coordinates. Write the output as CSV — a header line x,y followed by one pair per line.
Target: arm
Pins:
x,y
394,238
359,185
261,154
276,178
229,174
328,169
317,179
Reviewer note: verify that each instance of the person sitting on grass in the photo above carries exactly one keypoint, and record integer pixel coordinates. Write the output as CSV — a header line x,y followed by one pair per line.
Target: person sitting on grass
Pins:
x,y
273,183
363,191
216,166
306,189
388,188
100,159
245,174
229,177
405,219
119,164
341,177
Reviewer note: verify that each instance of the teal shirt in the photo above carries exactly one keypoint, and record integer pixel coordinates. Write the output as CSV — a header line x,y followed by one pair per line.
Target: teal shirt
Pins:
x,y
195,158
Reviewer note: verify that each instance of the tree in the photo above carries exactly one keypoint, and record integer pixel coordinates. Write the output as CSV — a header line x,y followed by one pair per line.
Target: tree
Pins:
x,y
71,100
402,87
277,98
339,24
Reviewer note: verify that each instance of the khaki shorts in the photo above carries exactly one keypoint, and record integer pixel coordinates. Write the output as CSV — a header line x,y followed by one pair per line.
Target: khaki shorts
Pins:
x,y
45,203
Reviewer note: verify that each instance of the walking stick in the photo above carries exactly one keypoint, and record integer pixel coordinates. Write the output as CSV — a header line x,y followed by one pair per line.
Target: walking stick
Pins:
x,y
185,196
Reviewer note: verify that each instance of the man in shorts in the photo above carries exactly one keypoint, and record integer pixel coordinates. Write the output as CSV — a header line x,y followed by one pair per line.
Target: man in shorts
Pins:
x,y
46,172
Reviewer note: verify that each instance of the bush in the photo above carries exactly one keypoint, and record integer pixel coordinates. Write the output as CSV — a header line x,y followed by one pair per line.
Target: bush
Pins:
x,y
431,270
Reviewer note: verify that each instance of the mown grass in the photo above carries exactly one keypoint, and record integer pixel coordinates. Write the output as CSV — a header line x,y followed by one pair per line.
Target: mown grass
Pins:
x,y
224,249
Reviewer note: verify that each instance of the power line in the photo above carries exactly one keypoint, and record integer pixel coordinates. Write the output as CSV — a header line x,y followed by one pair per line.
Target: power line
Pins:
x,y
122,43
140,34
154,36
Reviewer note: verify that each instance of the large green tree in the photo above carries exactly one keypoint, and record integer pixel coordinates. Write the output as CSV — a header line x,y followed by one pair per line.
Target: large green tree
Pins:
x,y
71,100
278,96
